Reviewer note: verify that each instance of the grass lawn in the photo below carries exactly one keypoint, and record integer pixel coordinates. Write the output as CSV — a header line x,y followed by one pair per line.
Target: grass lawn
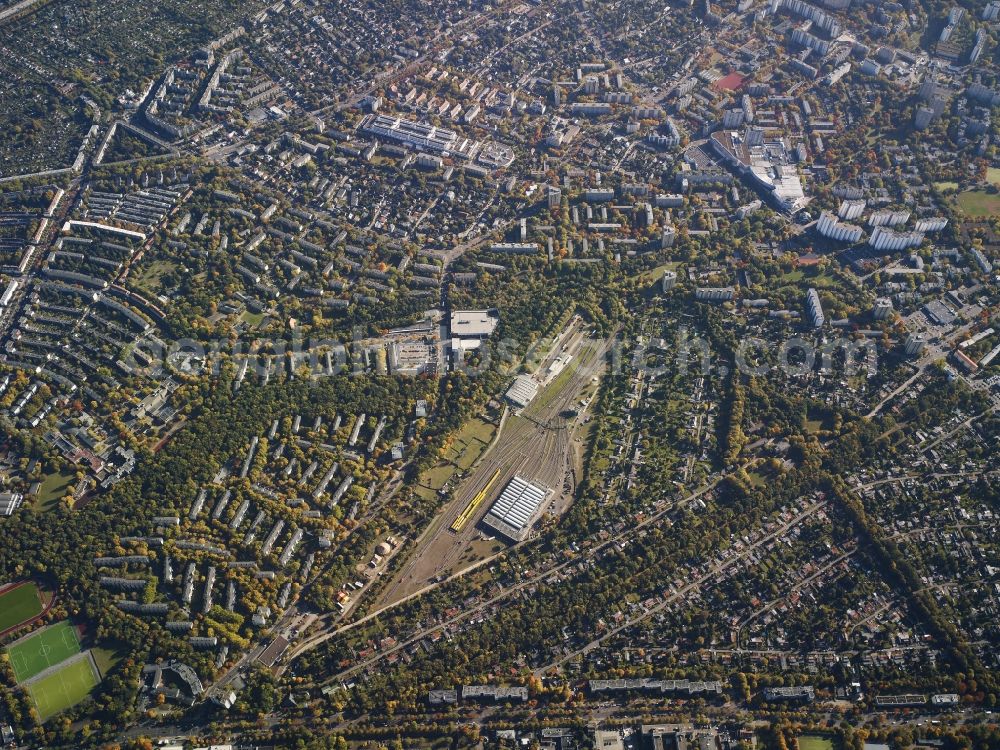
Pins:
x,y
436,477
53,488
149,276
946,185
480,549
469,455
822,280
107,657
993,175
43,649
469,443
455,450
425,492
979,203
477,429
64,688
253,319
815,421
654,275
811,276
19,605
815,742
797,275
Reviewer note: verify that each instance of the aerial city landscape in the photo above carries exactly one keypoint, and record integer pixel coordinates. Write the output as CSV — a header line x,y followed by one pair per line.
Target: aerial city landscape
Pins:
x,y
500,374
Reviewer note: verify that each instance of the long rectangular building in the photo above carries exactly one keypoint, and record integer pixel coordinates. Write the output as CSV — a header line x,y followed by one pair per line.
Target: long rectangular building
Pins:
x,y
522,391
516,509
421,135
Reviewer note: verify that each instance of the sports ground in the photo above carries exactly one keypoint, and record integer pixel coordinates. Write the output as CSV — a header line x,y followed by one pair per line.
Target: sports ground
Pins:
x,y
42,649
49,666
19,604
63,686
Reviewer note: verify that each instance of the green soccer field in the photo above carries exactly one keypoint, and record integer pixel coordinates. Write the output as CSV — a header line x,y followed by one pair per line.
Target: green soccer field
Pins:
x,y
19,605
43,649
63,688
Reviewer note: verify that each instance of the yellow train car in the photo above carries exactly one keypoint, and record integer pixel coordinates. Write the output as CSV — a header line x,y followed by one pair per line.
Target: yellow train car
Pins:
x,y
470,509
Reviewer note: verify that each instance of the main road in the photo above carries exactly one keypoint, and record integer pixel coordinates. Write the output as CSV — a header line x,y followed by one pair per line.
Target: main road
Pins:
x,y
8,14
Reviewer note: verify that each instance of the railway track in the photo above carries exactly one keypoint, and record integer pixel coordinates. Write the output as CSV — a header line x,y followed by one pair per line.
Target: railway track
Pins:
x,y
474,504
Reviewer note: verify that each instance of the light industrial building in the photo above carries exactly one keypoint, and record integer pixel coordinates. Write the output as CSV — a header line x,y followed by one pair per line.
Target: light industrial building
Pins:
x,y
522,391
417,134
444,141
939,313
470,327
516,509
411,357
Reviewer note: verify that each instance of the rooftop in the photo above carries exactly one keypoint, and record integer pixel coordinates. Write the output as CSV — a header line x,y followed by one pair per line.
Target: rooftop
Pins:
x,y
516,508
478,324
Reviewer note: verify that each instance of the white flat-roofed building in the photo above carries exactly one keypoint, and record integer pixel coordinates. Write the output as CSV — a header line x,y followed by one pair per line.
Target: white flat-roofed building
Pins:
x,y
870,68
945,699
914,346
984,263
990,356
887,239
932,224
766,164
9,292
669,200
829,226
815,308
599,195
851,209
494,155
888,218
473,324
883,309
426,137
522,391
73,224
592,109
515,248
516,509
714,294
419,134
10,502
